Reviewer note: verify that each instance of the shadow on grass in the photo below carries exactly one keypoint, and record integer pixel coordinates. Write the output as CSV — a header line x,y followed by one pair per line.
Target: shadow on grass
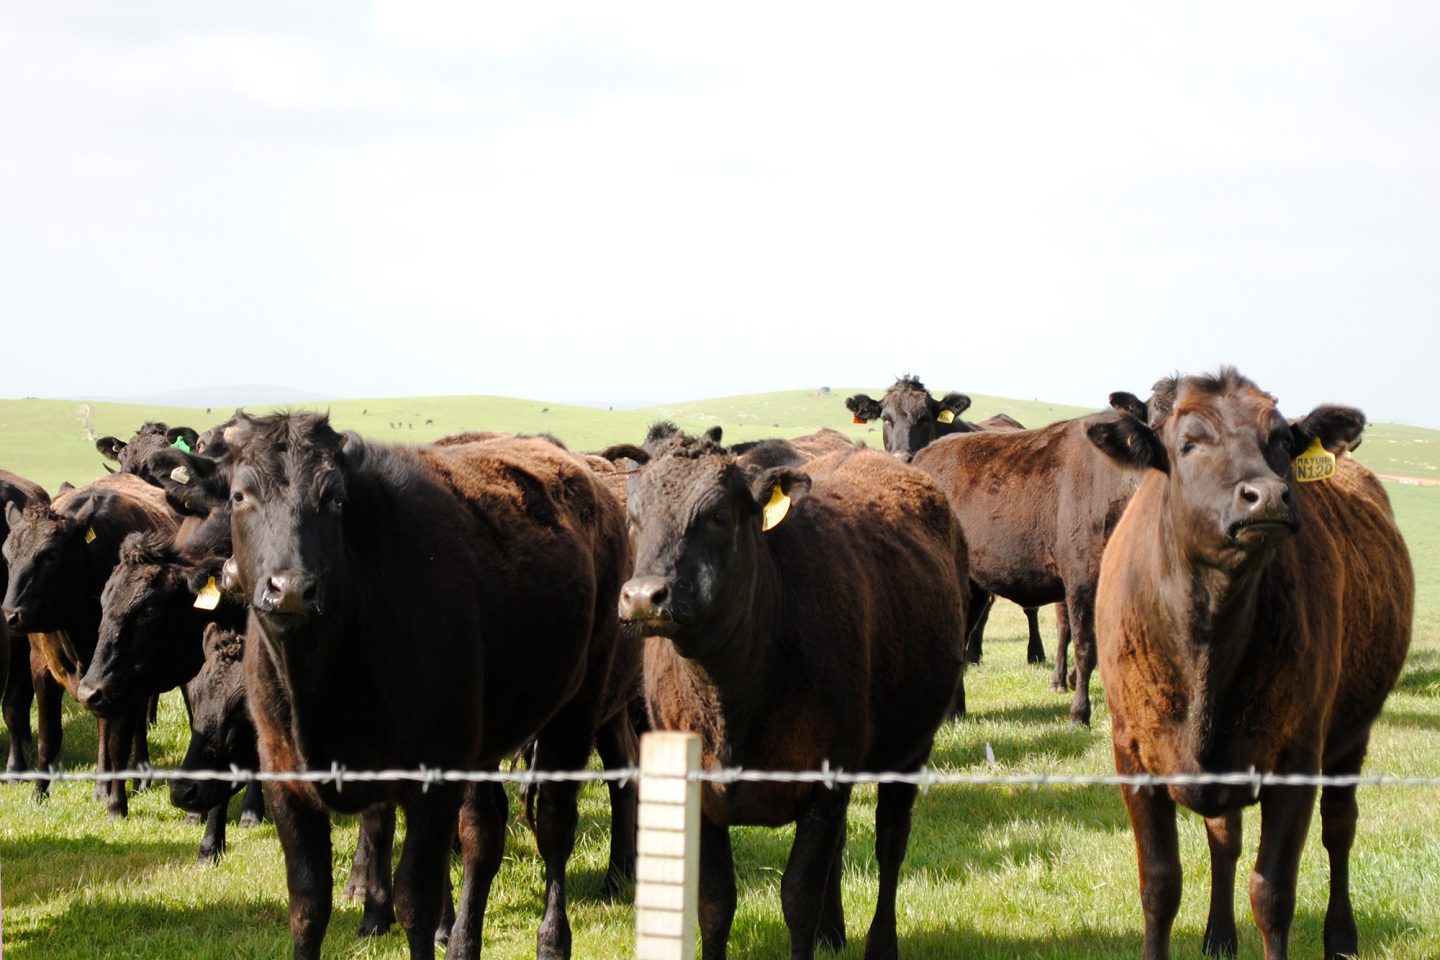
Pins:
x,y
952,938
1053,711
36,867
1412,718
1422,674
107,928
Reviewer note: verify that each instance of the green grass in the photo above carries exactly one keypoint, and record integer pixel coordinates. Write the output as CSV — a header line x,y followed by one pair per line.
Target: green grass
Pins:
x,y
992,872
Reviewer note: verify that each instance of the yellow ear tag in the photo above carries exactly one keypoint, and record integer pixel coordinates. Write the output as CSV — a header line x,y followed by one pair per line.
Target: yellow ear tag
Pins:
x,y
90,535
775,510
946,416
209,596
1316,463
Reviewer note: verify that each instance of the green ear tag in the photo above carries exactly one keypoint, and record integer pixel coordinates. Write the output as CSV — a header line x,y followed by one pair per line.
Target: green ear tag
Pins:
x,y
946,416
90,535
209,596
776,509
180,444
1316,463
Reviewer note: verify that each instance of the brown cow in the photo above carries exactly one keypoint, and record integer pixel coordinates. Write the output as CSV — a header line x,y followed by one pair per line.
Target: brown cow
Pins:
x,y
1247,621
835,635
61,556
1037,507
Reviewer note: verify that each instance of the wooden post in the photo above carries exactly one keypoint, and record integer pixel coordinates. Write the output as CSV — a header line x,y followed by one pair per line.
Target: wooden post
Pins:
x,y
667,874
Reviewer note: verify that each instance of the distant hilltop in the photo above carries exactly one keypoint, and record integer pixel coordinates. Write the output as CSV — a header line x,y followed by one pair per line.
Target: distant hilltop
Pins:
x,y
235,395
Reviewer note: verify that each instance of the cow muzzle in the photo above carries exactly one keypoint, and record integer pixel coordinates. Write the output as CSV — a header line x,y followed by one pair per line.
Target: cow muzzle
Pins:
x,y
290,593
647,601
1262,511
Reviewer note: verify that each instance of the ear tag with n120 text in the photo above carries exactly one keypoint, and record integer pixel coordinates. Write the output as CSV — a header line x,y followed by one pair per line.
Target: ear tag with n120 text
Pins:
x,y
90,535
209,596
946,416
1316,463
775,510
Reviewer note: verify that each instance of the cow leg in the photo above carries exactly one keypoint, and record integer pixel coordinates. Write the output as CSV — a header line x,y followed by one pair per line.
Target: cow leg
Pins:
x,y
1157,848
370,872
1284,820
147,713
19,694
1224,836
1081,611
424,867
556,818
1061,680
894,805
119,737
303,826
48,731
1338,815
977,614
212,842
717,890
482,837
619,748
818,835
1035,650
831,932
252,805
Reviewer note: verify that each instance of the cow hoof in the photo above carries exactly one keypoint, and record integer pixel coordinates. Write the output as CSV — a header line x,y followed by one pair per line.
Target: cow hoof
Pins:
x,y
832,939
1058,686
249,819
1220,943
193,819
377,924
209,856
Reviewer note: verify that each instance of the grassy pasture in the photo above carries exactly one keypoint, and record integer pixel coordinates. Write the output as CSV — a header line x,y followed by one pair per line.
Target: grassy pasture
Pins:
x,y
991,873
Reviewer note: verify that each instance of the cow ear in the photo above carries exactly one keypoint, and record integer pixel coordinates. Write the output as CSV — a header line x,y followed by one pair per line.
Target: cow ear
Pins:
x,y
241,428
197,576
776,490
714,434
191,482
12,513
182,438
1338,429
1128,403
864,408
110,447
954,404
1129,442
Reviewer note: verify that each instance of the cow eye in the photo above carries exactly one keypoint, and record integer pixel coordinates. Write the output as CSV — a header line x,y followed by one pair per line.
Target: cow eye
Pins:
x,y
1187,447
237,497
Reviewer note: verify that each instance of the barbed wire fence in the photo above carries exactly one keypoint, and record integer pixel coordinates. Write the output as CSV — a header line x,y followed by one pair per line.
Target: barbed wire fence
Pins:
x,y
670,776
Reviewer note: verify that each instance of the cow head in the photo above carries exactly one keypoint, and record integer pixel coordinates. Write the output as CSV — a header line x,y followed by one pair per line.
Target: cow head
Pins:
x,y
287,507
910,417
44,554
148,625
1228,455
697,518
221,731
152,436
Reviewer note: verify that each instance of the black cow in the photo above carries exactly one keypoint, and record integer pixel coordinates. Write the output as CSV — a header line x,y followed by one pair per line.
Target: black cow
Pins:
x,y
911,419
60,558
770,645
411,606
152,435
15,651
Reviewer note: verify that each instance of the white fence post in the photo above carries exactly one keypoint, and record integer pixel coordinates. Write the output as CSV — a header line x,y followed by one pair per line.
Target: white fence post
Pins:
x,y
667,874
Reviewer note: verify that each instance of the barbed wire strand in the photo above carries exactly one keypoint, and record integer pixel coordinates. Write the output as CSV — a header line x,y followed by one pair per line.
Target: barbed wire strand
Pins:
x,y
830,777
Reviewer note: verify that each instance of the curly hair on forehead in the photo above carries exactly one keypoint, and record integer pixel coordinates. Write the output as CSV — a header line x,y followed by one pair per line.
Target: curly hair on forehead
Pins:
x,y
691,447
1226,380
908,381
147,547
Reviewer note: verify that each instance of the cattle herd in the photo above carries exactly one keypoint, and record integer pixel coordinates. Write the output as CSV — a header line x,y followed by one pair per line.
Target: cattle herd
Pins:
x,y
324,600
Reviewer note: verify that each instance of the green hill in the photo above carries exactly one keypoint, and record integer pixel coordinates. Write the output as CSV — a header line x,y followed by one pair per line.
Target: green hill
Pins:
x,y
47,441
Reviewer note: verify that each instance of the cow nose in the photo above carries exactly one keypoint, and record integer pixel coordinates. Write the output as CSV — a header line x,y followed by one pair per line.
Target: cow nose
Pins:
x,y
1263,496
290,592
644,598
904,456
12,618
89,696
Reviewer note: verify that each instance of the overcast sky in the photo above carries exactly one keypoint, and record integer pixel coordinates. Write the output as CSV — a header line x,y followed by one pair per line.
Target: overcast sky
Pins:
x,y
659,201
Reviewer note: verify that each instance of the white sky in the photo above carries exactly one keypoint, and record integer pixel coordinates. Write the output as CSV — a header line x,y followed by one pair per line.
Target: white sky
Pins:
x,y
657,201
